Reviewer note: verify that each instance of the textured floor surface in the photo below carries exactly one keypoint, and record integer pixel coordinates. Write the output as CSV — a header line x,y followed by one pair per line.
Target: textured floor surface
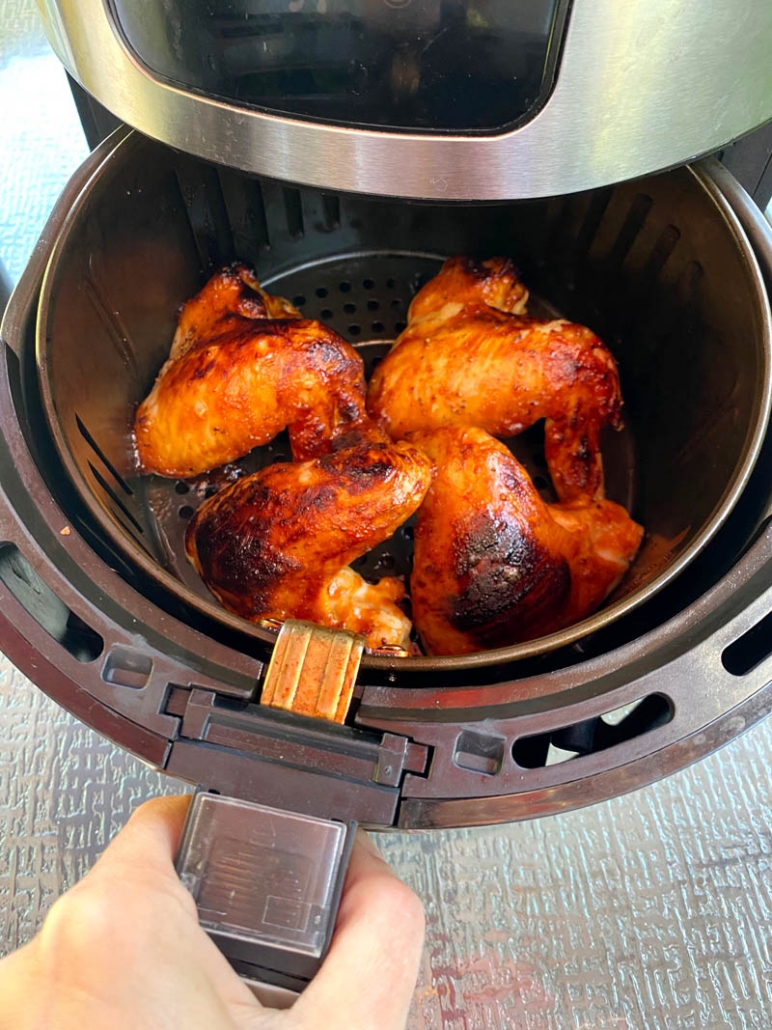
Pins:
x,y
650,911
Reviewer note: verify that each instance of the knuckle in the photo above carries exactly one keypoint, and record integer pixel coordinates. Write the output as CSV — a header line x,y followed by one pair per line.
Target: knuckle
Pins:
x,y
411,909
401,908
78,929
84,913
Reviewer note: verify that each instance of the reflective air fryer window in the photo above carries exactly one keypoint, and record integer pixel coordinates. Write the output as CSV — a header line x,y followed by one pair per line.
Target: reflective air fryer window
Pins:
x,y
428,65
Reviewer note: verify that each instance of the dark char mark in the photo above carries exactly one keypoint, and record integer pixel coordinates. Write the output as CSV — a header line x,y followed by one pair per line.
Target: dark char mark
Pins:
x,y
509,583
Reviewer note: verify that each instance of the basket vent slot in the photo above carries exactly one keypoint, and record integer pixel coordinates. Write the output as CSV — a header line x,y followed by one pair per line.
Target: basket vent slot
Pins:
x,y
633,223
293,205
115,498
246,213
749,651
593,735
102,456
663,248
589,230
330,212
203,199
689,283
48,611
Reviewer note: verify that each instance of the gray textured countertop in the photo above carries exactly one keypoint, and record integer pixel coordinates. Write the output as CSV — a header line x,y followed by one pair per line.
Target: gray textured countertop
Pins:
x,y
652,910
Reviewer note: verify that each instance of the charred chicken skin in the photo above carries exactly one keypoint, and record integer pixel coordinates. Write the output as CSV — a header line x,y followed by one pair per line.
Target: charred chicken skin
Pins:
x,y
243,366
493,563
277,544
471,357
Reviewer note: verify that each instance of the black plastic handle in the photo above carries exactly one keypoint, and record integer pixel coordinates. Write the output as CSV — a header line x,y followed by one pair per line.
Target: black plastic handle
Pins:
x,y
267,884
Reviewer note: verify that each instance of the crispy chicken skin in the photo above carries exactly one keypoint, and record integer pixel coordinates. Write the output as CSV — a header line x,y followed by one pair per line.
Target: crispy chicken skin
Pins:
x,y
243,366
470,357
470,284
494,564
277,544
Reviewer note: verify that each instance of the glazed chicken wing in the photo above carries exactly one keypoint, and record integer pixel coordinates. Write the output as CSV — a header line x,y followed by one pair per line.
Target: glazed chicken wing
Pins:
x,y
277,544
494,564
243,366
470,357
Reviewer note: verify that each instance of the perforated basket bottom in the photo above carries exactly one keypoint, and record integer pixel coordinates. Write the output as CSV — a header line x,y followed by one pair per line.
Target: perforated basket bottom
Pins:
x,y
364,297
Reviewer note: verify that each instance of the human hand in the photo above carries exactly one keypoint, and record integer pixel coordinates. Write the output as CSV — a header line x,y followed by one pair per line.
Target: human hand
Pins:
x,y
123,949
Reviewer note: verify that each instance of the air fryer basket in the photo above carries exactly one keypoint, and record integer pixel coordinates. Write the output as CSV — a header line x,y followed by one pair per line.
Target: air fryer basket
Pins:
x,y
659,268
115,640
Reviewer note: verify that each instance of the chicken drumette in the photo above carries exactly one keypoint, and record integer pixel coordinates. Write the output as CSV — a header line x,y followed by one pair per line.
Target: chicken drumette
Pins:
x,y
243,366
494,564
277,544
471,357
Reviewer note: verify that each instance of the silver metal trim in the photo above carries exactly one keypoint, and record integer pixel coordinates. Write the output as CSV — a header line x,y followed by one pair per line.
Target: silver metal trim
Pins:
x,y
641,87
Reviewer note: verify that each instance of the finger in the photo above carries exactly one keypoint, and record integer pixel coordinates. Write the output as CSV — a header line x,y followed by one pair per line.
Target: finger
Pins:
x,y
141,860
149,840
368,978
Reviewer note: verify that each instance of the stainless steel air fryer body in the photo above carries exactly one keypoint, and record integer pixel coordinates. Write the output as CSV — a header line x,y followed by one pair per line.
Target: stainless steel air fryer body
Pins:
x,y
469,100
427,746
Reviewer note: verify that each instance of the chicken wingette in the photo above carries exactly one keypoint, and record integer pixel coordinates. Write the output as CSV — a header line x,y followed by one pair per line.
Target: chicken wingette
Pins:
x,y
277,544
243,366
471,357
494,564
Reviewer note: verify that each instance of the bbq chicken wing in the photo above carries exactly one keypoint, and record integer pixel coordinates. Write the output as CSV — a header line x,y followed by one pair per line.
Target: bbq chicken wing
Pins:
x,y
471,357
494,564
243,366
277,544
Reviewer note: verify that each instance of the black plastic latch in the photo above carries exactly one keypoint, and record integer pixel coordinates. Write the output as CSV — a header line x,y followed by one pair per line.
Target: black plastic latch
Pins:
x,y
292,763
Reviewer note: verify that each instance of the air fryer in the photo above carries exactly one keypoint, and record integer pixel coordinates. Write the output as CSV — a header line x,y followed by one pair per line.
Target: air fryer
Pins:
x,y
672,268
